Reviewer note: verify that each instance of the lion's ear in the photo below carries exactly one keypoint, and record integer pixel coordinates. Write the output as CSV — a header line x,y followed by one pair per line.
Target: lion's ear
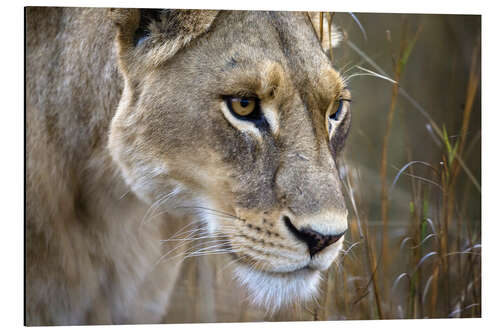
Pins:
x,y
149,37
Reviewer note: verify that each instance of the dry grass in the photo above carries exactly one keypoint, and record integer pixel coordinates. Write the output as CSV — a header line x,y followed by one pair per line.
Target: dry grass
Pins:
x,y
439,253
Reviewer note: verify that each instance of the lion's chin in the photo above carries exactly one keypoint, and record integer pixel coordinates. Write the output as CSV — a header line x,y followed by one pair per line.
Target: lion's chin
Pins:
x,y
273,291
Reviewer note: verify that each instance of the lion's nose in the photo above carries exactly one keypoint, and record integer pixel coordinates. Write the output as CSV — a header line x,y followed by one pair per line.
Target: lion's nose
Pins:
x,y
314,240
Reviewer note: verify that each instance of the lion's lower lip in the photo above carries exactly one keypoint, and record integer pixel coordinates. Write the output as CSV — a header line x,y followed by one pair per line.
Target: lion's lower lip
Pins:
x,y
299,270
303,270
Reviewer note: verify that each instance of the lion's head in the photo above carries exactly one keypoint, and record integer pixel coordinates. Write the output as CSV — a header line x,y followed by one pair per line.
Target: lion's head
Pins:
x,y
239,117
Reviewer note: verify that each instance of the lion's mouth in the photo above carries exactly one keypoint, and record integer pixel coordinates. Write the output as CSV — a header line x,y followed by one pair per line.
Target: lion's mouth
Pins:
x,y
279,284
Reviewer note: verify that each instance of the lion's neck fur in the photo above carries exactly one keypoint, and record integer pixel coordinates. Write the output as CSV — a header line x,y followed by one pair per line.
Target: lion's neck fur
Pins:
x,y
82,219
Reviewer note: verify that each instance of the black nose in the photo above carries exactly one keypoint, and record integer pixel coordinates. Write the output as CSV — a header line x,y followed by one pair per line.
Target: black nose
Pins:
x,y
314,240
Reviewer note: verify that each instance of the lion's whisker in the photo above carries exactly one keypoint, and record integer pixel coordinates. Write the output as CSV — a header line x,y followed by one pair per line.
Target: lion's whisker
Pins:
x,y
212,210
152,209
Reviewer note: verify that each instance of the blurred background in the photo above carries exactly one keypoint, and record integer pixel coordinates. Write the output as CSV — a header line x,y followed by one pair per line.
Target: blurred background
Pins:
x,y
412,178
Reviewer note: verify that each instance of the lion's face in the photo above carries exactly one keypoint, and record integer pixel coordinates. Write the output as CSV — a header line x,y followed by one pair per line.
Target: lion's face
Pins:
x,y
241,126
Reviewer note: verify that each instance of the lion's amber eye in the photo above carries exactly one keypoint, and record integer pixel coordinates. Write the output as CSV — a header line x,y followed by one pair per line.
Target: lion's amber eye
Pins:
x,y
242,106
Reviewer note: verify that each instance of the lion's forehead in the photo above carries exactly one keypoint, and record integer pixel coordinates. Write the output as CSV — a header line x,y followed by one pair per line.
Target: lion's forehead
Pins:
x,y
243,40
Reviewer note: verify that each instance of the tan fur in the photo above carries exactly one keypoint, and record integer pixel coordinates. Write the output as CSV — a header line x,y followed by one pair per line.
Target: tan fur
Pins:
x,y
114,126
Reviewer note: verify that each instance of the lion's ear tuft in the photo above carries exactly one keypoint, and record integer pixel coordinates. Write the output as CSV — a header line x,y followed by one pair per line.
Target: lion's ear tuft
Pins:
x,y
149,37
328,34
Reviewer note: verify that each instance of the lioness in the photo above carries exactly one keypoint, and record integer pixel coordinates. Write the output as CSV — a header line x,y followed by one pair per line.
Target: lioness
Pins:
x,y
140,123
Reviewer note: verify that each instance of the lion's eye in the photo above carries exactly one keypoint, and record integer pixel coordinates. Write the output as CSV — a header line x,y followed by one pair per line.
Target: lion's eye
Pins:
x,y
335,115
242,106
